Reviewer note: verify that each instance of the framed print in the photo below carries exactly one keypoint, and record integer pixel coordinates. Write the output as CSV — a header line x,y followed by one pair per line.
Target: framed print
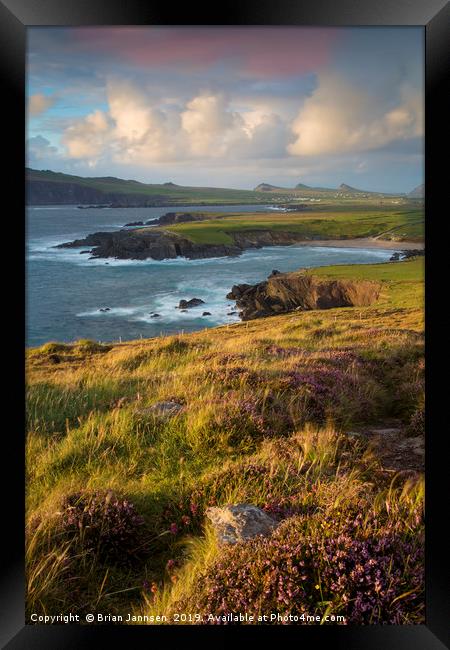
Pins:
x,y
221,302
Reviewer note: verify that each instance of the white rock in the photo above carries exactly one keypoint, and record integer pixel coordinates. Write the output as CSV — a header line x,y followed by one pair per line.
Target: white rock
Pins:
x,y
237,523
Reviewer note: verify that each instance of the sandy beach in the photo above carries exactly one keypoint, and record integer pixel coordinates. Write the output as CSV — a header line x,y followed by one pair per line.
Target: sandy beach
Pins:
x,y
366,242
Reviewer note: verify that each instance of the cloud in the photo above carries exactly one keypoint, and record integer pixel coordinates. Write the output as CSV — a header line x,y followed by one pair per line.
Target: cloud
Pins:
x,y
261,52
339,117
86,138
38,149
39,103
133,131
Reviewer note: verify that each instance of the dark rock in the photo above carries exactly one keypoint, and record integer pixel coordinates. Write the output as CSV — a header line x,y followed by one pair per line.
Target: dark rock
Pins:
x,y
193,302
237,291
134,223
85,252
206,313
300,291
274,272
155,315
105,309
395,257
415,252
231,313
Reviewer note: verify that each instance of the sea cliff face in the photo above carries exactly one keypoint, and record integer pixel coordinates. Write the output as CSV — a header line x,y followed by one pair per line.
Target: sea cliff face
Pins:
x,y
284,292
144,243
62,193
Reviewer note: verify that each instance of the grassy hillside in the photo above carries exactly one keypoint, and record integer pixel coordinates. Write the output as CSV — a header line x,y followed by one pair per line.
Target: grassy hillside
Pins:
x,y
399,225
45,183
276,412
173,193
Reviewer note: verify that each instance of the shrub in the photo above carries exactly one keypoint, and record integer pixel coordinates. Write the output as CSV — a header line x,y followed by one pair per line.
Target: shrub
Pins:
x,y
103,523
416,426
372,579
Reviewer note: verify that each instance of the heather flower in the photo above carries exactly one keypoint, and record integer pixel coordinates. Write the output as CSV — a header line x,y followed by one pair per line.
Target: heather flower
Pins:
x,y
104,523
376,579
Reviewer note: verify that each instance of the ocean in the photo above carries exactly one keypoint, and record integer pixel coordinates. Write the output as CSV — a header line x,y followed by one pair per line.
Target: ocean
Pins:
x,y
65,290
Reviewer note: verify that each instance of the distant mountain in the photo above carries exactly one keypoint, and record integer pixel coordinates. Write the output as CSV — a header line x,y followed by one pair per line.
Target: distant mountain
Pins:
x,y
266,187
418,192
320,191
343,187
45,187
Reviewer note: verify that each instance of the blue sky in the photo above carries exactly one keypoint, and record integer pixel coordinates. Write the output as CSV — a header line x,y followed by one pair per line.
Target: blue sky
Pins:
x,y
229,107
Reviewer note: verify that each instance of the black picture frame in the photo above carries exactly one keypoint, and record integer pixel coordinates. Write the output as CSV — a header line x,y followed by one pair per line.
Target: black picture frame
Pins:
x,y
434,16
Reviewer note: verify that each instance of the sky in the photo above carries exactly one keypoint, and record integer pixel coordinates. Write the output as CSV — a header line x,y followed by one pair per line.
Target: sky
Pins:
x,y
229,106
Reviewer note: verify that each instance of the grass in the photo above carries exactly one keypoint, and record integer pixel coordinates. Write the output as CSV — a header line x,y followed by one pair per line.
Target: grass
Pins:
x,y
388,224
177,194
265,407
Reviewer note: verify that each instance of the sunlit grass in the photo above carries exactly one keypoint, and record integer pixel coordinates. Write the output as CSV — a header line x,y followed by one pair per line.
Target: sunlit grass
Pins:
x,y
247,431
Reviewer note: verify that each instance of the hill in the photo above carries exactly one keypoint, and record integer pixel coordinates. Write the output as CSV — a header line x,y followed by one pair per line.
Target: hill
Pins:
x,y
48,187
309,191
45,187
315,417
418,192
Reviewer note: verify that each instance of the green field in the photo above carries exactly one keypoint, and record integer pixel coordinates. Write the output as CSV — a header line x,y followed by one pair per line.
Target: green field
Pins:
x,y
333,224
269,413
178,194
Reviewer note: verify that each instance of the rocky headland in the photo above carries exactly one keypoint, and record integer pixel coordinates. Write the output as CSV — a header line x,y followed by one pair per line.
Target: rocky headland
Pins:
x,y
145,243
285,292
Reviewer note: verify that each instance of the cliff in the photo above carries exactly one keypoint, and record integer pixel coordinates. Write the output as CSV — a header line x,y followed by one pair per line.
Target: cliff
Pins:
x,y
144,243
284,292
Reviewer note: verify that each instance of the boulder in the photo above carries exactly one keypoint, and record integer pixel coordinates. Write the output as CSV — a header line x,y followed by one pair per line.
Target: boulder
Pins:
x,y
237,523
163,410
155,315
237,291
206,313
193,302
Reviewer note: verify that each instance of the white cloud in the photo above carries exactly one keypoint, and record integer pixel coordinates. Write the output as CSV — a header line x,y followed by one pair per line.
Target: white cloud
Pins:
x,y
39,103
339,118
133,131
87,138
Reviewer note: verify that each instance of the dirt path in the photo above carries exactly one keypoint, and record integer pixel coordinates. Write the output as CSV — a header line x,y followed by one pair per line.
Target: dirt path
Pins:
x,y
396,451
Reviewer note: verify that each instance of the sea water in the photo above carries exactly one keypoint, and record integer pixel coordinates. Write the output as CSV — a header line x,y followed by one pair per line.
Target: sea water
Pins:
x,y
66,290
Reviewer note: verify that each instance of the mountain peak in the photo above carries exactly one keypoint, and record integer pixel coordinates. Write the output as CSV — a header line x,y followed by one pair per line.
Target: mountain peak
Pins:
x,y
265,187
348,188
418,192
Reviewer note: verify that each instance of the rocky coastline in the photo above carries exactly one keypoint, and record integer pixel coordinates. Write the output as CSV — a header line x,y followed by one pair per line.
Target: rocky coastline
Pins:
x,y
141,240
151,243
300,291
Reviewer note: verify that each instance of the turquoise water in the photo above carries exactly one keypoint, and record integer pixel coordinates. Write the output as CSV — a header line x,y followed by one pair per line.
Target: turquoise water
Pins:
x,y
66,290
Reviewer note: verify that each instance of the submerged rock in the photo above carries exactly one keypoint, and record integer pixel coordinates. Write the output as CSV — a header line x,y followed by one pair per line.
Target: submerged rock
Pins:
x,y
240,522
193,302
